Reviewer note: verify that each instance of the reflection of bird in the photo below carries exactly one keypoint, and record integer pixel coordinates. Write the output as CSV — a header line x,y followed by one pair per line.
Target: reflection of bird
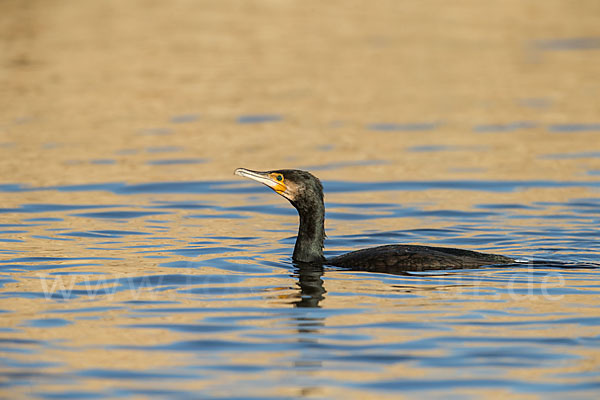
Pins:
x,y
305,193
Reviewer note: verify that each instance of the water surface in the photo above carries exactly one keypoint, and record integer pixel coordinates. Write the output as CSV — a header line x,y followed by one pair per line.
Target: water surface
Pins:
x,y
134,264
178,289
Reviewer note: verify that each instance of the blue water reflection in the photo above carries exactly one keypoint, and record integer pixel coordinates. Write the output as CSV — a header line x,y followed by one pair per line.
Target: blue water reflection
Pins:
x,y
259,118
509,127
576,43
225,187
573,128
218,298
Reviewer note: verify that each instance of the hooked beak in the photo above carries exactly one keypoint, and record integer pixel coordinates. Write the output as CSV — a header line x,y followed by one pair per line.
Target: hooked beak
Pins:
x,y
266,178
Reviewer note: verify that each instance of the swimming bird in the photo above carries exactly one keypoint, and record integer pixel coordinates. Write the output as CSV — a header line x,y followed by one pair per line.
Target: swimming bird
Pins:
x,y
305,192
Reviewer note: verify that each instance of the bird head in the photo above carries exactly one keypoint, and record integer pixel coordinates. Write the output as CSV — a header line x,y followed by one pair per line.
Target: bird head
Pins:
x,y
299,187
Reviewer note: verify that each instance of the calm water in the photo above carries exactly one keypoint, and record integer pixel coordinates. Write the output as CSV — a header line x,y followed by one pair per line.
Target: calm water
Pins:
x,y
187,290
133,263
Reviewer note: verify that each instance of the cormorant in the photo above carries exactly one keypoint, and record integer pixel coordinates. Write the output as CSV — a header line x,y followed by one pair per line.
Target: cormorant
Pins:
x,y
305,192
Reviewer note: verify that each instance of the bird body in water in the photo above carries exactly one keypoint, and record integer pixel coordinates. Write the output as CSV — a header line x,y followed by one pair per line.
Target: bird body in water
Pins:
x,y
305,192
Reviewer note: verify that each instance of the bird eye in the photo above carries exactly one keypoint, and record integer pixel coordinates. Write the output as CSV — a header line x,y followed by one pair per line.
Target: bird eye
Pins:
x,y
279,177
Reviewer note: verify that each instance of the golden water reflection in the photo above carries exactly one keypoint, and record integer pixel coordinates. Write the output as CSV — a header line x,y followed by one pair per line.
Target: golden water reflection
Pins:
x,y
121,124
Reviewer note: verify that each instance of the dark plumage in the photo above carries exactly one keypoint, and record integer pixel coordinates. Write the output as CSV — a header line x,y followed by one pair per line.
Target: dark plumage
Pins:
x,y
305,192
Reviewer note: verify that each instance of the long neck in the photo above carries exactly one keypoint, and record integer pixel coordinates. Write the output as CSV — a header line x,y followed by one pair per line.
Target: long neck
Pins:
x,y
311,233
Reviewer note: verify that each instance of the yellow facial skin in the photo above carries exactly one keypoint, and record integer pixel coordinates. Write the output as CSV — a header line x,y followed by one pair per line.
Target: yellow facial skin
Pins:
x,y
279,183
274,180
